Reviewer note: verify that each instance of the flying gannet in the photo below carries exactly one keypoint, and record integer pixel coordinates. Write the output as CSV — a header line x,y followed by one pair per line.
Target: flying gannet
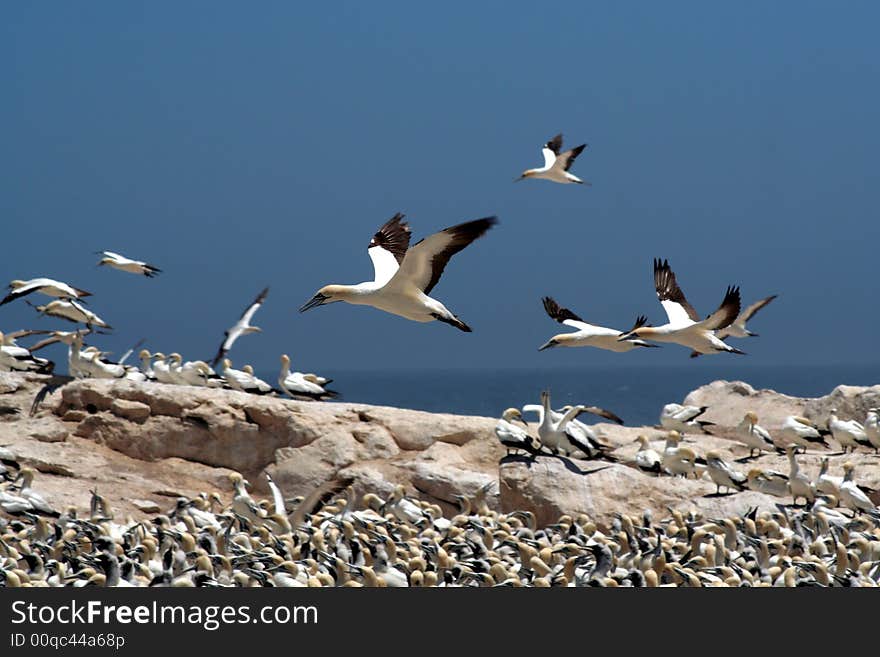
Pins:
x,y
586,335
404,275
122,263
72,312
241,327
684,325
556,163
45,286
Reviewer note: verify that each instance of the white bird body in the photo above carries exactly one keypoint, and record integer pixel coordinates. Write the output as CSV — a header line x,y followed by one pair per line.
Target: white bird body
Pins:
x,y
799,483
849,433
552,433
801,432
47,286
100,369
297,384
578,436
752,435
826,483
241,327
513,436
684,325
872,427
723,474
73,312
851,495
677,460
404,275
18,359
161,369
33,497
585,335
647,458
681,418
556,163
769,482
244,381
120,262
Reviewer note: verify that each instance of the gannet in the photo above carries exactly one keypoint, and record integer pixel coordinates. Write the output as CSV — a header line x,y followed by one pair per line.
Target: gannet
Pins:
x,y
798,483
681,418
122,263
851,495
19,359
191,373
753,436
553,434
872,427
826,483
677,460
405,276
850,434
297,384
243,381
647,459
586,335
556,163
72,312
801,431
45,286
579,434
768,481
738,328
241,327
26,475
161,368
684,325
514,437
723,474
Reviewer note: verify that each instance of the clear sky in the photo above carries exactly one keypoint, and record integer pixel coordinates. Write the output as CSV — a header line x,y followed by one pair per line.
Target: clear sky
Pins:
x,y
237,146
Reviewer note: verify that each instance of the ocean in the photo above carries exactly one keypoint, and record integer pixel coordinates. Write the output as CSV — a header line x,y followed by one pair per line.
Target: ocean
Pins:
x,y
635,394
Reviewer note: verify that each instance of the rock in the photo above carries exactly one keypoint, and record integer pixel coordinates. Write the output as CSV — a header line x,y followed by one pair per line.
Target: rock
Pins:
x,y
47,430
74,416
147,506
130,410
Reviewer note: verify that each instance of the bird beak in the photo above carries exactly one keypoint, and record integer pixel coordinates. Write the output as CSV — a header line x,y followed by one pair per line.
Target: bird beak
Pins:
x,y
519,178
547,345
315,301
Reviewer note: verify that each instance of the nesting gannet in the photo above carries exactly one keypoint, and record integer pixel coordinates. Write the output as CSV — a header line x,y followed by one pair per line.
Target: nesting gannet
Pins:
x,y
851,495
681,418
647,459
798,482
190,373
752,435
872,427
678,460
122,263
684,325
738,328
768,481
723,474
241,327
297,384
19,359
850,433
72,312
161,368
556,163
26,475
802,432
404,275
45,286
586,335
514,437
244,381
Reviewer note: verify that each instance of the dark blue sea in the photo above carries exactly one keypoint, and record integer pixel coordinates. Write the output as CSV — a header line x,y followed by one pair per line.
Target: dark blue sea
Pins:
x,y
635,394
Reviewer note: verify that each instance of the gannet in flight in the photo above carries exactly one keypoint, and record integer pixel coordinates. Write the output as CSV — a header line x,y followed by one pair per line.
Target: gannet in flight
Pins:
x,y
72,312
586,335
45,286
684,325
122,263
242,327
556,164
738,328
404,275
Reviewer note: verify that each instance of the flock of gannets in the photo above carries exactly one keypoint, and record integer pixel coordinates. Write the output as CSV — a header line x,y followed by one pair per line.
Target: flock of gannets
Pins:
x,y
330,538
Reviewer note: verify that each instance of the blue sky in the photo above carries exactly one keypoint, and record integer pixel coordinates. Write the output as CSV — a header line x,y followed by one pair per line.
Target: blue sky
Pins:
x,y
237,147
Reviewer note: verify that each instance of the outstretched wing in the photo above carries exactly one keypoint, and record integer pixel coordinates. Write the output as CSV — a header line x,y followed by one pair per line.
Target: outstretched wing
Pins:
x,y
388,248
424,263
551,150
566,159
678,310
726,313
747,314
562,315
